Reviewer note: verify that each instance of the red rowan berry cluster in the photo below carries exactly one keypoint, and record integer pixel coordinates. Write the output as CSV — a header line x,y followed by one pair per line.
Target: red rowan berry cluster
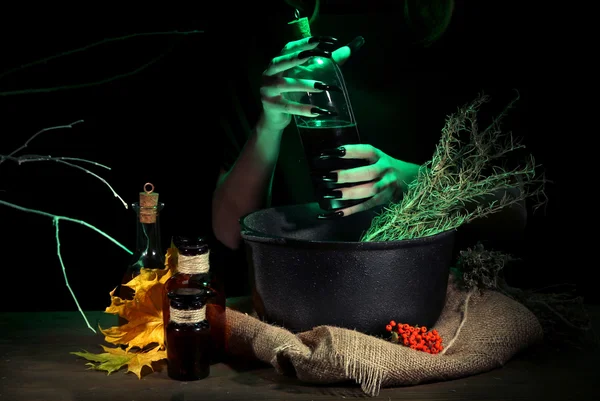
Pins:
x,y
415,337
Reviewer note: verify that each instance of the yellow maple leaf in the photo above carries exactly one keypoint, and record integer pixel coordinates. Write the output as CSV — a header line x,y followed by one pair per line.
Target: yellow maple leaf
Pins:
x,y
171,257
143,335
114,359
144,313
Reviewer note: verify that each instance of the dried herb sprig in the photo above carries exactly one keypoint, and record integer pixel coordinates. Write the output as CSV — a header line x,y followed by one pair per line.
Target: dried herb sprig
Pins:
x,y
460,173
562,314
481,269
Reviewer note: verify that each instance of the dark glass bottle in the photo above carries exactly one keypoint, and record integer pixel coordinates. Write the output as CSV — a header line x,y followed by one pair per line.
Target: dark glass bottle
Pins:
x,y
335,128
193,271
188,334
148,252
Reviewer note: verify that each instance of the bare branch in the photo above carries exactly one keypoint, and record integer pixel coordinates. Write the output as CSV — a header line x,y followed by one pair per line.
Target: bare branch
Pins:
x,y
88,84
53,216
64,160
92,45
55,221
115,194
39,158
2,158
71,161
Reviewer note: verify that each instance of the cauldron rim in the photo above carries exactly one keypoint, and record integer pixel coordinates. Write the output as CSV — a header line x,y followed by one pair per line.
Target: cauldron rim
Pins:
x,y
250,235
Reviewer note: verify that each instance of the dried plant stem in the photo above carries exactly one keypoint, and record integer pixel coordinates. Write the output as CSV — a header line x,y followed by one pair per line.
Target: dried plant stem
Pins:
x,y
563,315
56,219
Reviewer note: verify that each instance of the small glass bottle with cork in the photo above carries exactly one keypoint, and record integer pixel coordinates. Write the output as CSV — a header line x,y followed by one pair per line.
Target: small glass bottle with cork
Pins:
x,y
148,252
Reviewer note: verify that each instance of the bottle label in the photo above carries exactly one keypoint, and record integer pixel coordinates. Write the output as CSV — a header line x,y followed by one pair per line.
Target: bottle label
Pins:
x,y
191,316
196,264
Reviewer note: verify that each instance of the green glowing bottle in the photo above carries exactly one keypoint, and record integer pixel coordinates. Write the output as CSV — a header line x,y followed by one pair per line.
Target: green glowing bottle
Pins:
x,y
333,126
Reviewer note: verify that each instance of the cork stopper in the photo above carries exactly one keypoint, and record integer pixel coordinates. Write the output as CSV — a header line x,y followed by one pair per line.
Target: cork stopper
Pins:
x,y
298,29
148,204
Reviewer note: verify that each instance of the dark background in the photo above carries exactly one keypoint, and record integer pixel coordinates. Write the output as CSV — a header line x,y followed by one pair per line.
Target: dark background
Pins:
x,y
159,125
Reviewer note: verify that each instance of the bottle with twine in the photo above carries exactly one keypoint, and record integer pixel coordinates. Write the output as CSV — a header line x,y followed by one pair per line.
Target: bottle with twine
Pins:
x,y
192,271
192,267
148,252
187,334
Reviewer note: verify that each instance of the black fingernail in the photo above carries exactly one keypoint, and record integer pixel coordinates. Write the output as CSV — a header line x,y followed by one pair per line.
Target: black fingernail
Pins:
x,y
322,39
356,44
325,87
314,53
333,194
332,215
330,153
330,177
322,112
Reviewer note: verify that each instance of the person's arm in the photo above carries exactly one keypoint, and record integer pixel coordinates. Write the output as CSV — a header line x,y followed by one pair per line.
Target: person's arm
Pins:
x,y
246,186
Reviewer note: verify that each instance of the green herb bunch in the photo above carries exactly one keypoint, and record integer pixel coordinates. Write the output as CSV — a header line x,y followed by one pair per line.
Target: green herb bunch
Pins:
x,y
450,189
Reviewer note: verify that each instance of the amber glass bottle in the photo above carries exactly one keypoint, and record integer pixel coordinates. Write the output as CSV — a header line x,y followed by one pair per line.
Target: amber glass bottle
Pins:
x,y
193,271
188,334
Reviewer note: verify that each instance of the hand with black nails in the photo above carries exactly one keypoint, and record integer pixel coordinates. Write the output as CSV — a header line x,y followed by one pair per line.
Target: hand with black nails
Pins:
x,y
278,111
383,180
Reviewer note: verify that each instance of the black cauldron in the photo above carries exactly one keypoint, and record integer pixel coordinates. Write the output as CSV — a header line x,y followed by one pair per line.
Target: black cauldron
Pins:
x,y
309,272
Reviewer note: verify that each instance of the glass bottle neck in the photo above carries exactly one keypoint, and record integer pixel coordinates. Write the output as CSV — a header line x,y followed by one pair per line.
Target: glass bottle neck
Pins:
x,y
148,248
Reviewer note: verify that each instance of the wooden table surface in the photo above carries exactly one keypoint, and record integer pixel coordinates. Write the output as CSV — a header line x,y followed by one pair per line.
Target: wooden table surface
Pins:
x,y
35,364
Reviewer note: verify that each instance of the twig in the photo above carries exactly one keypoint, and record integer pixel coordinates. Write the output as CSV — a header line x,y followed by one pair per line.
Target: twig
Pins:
x,y
560,316
64,270
64,160
115,194
53,216
2,158
55,221
88,84
92,45
39,158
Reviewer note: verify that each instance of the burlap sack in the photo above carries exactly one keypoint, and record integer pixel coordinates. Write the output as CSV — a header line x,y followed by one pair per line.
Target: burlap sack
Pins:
x,y
479,332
